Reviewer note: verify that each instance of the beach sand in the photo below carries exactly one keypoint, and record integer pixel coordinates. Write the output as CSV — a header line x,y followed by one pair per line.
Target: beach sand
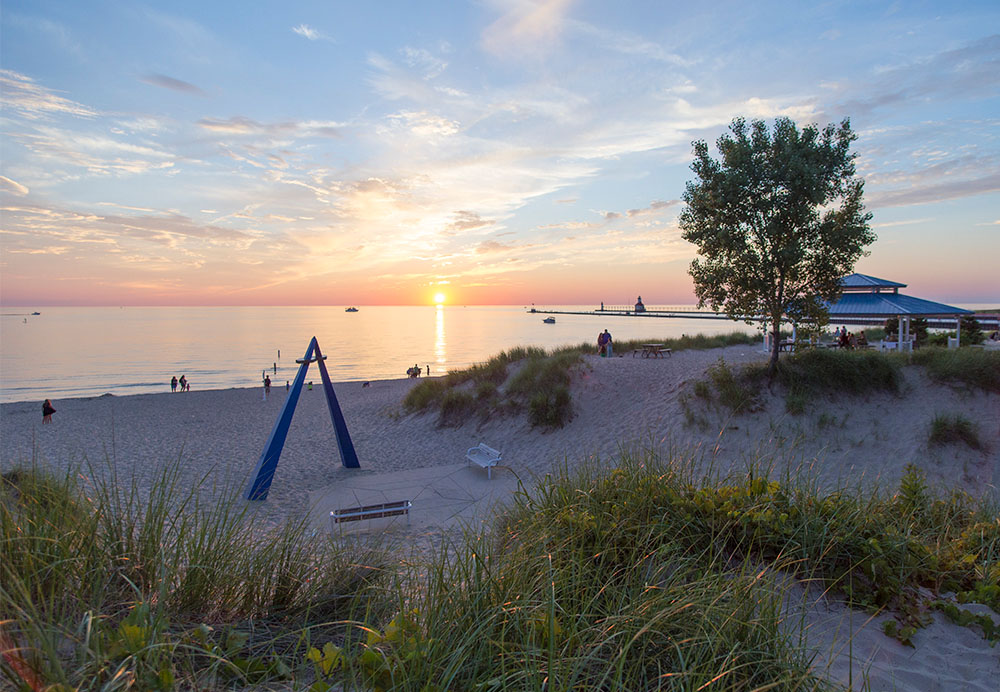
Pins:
x,y
214,439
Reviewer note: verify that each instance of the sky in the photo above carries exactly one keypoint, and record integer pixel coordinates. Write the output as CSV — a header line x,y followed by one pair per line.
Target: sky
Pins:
x,y
493,152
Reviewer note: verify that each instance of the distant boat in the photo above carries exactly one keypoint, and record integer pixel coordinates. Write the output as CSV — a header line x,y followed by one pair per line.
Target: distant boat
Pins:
x,y
549,320
351,310
36,313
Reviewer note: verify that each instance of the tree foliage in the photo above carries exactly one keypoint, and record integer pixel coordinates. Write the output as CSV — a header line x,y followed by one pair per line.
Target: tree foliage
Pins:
x,y
778,220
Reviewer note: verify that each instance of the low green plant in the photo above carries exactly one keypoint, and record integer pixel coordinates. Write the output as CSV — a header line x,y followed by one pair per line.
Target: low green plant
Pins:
x,y
952,429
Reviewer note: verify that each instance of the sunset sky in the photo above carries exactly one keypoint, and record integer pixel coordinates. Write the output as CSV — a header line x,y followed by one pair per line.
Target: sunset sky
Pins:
x,y
497,151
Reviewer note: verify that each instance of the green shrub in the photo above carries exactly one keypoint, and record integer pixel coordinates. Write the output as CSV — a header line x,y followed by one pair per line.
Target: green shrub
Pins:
x,y
950,429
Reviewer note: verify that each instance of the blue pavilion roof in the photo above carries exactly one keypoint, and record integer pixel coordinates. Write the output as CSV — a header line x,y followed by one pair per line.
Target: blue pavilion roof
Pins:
x,y
861,282
889,305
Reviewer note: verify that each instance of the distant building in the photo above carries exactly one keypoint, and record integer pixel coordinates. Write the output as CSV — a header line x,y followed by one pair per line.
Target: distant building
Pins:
x,y
639,307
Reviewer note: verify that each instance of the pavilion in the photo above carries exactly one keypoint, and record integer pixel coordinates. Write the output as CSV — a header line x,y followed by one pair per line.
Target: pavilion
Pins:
x,y
868,297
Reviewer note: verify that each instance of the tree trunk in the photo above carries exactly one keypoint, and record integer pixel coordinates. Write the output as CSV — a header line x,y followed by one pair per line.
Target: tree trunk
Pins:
x,y
772,365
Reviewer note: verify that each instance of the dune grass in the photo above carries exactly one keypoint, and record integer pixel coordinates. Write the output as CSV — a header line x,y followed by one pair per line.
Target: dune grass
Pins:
x,y
540,387
951,429
106,587
973,367
642,577
646,577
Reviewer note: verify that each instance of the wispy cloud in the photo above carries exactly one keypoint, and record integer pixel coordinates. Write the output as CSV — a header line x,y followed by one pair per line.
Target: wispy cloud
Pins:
x,y
306,31
12,186
165,82
22,94
526,26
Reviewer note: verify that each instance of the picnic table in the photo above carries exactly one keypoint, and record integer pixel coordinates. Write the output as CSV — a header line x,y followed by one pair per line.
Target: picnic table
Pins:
x,y
652,351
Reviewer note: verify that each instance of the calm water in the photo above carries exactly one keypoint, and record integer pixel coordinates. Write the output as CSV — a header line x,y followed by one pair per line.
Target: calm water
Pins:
x,y
75,352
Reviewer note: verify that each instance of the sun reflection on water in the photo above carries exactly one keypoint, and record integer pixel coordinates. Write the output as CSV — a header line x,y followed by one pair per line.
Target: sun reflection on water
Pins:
x,y
440,343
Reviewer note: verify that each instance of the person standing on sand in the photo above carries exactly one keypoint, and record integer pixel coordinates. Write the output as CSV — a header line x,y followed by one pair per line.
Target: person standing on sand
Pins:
x,y
267,385
608,348
173,383
602,344
183,382
47,412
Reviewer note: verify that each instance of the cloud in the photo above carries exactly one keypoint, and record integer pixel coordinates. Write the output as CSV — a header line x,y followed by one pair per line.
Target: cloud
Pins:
x,y
935,192
532,26
970,70
492,246
429,65
306,31
654,206
33,101
240,125
166,82
467,221
12,186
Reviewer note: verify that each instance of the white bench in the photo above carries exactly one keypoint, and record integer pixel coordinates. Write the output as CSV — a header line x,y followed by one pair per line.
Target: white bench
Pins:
x,y
485,456
384,509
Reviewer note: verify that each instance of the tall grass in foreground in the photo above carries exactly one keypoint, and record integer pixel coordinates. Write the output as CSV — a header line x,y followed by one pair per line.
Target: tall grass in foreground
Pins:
x,y
111,587
646,577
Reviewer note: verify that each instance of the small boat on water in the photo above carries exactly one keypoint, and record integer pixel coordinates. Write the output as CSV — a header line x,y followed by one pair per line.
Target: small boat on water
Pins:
x,y
549,320
350,310
36,313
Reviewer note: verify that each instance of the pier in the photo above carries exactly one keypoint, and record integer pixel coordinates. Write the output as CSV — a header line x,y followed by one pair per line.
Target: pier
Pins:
x,y
988,321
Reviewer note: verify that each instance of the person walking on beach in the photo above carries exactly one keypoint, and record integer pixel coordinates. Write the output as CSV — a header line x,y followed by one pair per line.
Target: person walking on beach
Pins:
x,y
47,412
183,382
608,349
173,383
602,342
267,385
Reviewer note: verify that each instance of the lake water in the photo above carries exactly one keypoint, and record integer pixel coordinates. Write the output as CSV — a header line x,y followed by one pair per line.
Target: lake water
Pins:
x,y
78,352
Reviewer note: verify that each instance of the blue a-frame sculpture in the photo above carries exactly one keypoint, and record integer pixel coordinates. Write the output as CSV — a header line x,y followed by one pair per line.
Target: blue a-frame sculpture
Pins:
x,y
268,463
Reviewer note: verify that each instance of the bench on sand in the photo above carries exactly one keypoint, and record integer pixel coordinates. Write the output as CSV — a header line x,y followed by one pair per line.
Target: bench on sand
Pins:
x,y
384,509
484,456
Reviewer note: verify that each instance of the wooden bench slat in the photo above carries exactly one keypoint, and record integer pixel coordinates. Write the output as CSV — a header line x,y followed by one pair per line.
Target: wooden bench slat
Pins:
x,y
377,511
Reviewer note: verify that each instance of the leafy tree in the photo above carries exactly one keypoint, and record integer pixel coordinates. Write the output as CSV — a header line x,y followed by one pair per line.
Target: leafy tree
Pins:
x,y
777,221
972,331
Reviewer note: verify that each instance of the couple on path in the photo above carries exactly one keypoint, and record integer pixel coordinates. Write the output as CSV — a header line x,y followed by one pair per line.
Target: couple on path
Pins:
x,y
604,344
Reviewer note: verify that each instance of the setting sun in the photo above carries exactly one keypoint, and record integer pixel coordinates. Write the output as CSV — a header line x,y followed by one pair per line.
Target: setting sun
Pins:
x,y
439,298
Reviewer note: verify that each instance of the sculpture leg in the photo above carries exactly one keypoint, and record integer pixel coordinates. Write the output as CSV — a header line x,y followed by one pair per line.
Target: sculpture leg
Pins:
x,y
348,457
268,462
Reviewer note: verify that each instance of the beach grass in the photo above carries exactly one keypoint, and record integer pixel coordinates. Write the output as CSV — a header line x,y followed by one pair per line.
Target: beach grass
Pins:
x,y
975,368
539,387
954,428
646,575
104,586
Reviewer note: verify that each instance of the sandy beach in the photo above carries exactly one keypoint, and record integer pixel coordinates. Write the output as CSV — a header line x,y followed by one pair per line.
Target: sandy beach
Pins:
x,y
216,437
